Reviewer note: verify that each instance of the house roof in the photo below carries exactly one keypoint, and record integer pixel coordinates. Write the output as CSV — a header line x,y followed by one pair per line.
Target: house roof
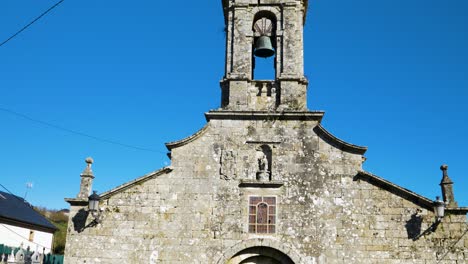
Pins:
x,y
16,211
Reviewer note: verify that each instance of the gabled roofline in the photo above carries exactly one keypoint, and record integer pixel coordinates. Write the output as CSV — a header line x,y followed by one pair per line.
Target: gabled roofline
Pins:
x,y
404,193
137,181
17,211
338,143
23,224
179,143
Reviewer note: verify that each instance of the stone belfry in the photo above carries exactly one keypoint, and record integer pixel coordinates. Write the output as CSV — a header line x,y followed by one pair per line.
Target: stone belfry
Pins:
x,y
280,22
262,181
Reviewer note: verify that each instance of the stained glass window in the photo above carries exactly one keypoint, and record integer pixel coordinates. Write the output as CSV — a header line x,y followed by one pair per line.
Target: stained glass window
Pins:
x,y
262,214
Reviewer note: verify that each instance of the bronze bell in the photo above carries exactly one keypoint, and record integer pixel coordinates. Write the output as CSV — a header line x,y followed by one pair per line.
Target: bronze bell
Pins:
x,y
263,47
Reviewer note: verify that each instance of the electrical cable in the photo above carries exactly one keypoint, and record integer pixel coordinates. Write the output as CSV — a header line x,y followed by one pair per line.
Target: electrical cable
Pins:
x,y
453,245
6,189
32,22
25,238
23,201
17,197
78,133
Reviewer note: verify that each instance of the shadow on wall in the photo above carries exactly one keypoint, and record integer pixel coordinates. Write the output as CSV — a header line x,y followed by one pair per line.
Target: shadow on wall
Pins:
x,y
413,226
79,220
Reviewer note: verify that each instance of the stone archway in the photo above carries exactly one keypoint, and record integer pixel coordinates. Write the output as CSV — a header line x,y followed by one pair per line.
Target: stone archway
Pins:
x,y
260,251
260,255
260,260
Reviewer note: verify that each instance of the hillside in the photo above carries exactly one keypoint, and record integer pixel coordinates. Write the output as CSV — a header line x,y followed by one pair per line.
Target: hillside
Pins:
x,y
60,219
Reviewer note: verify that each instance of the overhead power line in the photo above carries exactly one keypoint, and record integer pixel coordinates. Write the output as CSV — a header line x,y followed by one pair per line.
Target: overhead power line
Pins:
x,y
23,201
77,132
7,189
32,22
24,238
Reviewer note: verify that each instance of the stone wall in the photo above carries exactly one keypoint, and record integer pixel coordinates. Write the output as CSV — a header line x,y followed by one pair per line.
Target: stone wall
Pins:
x,y
263,182
328,211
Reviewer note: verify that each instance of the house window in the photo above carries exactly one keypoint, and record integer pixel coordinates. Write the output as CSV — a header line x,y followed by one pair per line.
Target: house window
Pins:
x,y
262,214
31,235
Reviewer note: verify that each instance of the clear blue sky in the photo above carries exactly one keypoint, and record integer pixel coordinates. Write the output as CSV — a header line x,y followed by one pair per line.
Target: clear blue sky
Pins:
x,y
391,75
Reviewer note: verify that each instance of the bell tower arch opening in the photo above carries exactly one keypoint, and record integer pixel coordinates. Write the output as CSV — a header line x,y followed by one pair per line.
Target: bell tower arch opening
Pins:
x,y
264,46
264,68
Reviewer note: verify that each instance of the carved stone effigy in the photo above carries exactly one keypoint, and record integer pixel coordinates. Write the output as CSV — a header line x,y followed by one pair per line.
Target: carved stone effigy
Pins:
x,y
263,157
228,165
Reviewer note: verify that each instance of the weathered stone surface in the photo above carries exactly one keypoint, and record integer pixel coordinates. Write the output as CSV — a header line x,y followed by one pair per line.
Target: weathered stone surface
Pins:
x,y
193,214
263,181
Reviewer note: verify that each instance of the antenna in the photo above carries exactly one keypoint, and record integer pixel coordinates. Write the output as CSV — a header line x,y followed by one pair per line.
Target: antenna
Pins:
x,y
29,185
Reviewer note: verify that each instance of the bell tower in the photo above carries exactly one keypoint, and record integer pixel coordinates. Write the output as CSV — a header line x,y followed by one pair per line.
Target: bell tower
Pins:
x,y
256,29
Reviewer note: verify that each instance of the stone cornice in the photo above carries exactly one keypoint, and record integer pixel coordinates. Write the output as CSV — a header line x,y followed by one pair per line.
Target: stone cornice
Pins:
x,y
338,143
77,201
259,184
404,193
265,115
225,4
137,181
178,143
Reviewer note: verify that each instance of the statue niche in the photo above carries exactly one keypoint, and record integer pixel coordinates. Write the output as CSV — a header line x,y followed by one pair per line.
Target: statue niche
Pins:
x,y
263,157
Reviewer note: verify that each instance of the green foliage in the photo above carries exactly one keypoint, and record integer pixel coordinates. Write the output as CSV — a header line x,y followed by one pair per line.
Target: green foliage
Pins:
x,y
60,220
60,237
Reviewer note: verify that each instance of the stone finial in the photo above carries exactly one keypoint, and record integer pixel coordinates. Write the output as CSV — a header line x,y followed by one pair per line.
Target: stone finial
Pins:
x,y
445,177
87,177
446,185
87,171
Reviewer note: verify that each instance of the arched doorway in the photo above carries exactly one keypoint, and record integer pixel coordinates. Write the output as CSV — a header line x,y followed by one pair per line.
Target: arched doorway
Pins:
x,y
260,260
260,255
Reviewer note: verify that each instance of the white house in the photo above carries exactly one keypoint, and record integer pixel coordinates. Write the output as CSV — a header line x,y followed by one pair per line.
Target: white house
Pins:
x,y
21,224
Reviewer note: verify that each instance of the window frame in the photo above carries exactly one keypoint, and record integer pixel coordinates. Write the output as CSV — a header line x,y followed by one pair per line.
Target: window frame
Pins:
x,y
256,214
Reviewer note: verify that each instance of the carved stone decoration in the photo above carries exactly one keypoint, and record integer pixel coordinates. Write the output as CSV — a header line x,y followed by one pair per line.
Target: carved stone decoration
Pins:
x,y
263,27
228,165
447,188
263,163
87,177
263,157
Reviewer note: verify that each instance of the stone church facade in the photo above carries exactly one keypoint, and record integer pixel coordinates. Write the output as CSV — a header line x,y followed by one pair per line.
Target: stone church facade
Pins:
x,y
263,181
